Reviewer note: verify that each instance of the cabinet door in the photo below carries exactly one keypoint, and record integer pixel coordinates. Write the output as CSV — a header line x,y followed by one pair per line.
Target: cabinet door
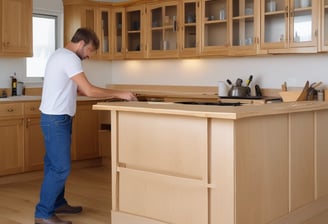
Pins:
x,y
215,35
135,38
11,150
289,26
85,133
34,145
16,27
164,29
324,26
104,32
118,39
245,27
190,28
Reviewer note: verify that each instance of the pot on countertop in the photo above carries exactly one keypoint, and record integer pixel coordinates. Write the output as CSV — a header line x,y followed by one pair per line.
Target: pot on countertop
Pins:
x,y
239,91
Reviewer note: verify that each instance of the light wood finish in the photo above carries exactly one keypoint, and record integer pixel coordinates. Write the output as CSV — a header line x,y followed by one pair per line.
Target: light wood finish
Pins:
x,y
11,109
87,187
16,29
33,138
85,132
261,162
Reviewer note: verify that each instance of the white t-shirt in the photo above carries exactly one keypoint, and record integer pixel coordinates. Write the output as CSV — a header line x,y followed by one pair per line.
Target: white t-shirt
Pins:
x,y
59,90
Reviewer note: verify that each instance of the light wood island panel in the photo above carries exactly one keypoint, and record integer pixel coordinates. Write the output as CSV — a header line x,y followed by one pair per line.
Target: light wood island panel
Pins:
x,y
253,164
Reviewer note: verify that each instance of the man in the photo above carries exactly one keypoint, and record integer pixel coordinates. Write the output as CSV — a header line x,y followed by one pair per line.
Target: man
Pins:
x,y
64,77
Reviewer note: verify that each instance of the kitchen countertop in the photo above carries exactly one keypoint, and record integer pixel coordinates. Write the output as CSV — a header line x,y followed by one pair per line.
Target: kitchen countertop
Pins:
x,y
223,112
38,98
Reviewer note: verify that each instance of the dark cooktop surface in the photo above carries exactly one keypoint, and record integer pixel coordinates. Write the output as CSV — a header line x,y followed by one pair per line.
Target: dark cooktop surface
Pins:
x,y
210,103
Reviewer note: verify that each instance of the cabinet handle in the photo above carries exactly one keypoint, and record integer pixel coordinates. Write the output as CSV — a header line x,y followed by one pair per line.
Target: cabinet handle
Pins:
x,y
28,121
32,109
10,110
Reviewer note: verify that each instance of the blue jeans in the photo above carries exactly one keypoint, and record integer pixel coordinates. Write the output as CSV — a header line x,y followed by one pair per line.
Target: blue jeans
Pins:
x,y
56,131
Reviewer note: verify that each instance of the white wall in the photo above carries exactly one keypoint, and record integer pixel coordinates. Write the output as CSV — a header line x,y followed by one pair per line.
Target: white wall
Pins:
x,y
268,71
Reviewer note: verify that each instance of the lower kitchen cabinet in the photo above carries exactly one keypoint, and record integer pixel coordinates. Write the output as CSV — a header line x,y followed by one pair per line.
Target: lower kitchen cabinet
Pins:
x,y
11,150
33,139
85,132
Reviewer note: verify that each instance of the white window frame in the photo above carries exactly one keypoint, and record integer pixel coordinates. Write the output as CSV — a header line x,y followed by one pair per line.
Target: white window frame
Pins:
x,y
59,39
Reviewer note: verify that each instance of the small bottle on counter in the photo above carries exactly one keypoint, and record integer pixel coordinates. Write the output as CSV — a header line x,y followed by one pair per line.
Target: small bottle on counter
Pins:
x,y
14,85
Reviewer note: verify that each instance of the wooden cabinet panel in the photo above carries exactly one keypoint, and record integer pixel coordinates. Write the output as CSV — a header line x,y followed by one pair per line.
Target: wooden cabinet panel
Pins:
x,y
321,154
85,132
16,27
175,145
11,150
34,144
262,178
302,158
161,197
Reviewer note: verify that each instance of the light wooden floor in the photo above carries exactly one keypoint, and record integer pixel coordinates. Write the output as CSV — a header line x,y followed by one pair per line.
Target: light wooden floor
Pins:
x,y
88,187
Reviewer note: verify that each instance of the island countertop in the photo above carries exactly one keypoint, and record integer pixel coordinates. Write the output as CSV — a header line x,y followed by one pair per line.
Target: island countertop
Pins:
x,y
222,112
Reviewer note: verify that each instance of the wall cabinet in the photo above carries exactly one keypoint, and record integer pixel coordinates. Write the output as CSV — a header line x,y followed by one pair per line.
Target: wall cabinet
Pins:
x,y
16,28
190,32
94,16
11,138
164,27
193,28
324,25
289,26
135,32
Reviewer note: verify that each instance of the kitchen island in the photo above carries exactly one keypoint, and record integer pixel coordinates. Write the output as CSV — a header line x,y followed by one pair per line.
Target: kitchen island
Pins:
x,y
194,164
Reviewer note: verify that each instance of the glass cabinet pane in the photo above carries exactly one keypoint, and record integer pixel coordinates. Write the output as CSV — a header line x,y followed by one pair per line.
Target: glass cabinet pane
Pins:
x,y
243,22
302,21
325,22
105,32
118,23
216,27
190,26
164,28
134,32
275,21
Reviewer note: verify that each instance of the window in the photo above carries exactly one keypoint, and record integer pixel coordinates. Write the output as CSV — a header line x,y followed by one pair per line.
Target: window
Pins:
x,y
44,44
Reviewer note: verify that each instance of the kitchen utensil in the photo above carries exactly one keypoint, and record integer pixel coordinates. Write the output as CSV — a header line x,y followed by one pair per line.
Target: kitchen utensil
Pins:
x,y
304,92
239,82
229,82
249,80
284,86
258,91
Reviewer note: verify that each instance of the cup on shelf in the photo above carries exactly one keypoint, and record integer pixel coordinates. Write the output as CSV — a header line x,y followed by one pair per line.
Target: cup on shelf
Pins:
x,y
222,14
271,6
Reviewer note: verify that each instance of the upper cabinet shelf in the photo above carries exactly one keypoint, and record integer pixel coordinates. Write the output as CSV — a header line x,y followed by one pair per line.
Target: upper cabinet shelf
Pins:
x,y
201,28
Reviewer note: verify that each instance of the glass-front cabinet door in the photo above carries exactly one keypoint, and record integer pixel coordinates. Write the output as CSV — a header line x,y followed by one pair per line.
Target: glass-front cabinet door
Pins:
x,y
163,35
289,26
324,26
105,35
245,29
135,38
118,40
215,36
190,28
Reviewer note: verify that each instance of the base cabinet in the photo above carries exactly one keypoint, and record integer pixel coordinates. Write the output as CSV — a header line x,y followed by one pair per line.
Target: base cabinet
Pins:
x,y
185,169
85,132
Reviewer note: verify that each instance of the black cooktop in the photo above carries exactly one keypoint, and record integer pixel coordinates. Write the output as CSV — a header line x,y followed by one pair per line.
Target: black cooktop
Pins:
x,y
210,103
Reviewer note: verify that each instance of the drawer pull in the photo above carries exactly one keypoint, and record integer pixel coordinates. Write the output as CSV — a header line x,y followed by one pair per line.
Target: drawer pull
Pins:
x,y
32,109
10,110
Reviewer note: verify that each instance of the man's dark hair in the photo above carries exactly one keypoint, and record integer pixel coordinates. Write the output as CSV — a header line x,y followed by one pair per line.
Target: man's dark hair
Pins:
x,y
87,35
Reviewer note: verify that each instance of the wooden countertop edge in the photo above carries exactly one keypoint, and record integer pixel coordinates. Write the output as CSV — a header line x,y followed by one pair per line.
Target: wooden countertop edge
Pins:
x,y
222,112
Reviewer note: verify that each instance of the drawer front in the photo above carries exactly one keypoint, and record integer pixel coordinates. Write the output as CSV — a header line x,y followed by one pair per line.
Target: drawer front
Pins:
x,y
32,108
11,109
